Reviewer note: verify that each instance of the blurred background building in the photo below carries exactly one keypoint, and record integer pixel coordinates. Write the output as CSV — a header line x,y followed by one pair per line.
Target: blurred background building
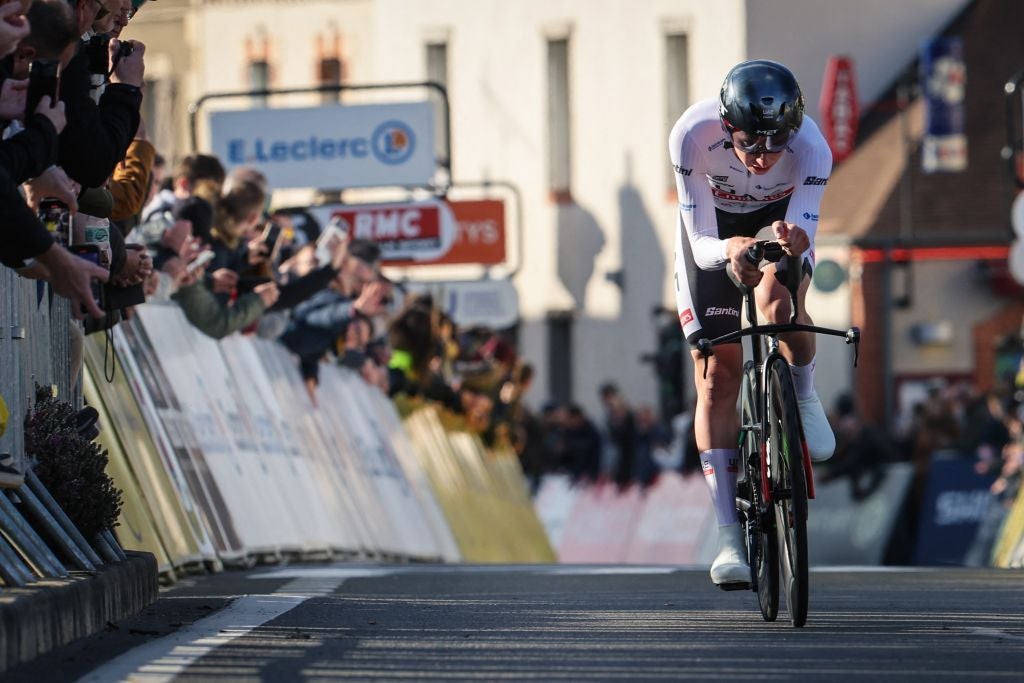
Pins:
x,y
572,102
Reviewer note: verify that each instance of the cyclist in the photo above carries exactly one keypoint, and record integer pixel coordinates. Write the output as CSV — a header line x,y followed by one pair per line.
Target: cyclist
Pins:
x,y
743,162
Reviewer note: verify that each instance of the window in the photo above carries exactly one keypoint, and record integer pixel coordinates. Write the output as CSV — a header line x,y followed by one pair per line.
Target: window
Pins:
x,y
259,79
677,88
437,71
559,143
560,357
331,73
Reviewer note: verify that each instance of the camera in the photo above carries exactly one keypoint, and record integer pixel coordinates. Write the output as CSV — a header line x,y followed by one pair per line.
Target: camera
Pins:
x,y
97,52
43,79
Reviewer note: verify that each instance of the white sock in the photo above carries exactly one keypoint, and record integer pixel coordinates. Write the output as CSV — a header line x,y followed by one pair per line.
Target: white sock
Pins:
x,y
803,379
721,468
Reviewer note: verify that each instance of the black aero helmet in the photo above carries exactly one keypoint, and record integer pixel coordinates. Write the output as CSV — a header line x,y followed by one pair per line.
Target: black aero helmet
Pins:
x,y
761,98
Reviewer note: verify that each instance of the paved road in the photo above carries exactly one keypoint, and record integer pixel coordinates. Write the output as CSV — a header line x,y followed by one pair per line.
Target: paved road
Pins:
x,y
330,622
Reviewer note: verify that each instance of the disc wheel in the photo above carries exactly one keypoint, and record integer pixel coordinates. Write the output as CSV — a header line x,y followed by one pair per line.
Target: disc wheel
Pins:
x,y
789,489
762,546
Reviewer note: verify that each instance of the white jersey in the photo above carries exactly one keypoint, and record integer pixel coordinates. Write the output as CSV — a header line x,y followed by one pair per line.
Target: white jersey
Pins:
x,y
709,176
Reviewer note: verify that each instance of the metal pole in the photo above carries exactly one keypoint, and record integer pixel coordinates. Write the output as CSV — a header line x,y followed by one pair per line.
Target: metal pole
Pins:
x,y
65,523
111,540
888,390
104,549
57,535
13,570
28,541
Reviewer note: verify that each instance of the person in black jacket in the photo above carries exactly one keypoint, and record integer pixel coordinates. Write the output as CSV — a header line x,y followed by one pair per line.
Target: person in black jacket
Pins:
x,y
97,136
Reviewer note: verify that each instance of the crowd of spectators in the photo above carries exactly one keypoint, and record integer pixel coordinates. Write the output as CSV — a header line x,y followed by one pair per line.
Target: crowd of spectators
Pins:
x,y
90,207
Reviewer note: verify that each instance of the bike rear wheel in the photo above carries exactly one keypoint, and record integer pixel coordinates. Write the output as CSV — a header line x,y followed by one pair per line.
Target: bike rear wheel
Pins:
x,y
789,488
762,546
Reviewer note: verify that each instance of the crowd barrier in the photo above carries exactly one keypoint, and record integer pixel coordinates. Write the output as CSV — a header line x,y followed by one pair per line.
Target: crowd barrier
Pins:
x,y
672,521
1009,550
222,458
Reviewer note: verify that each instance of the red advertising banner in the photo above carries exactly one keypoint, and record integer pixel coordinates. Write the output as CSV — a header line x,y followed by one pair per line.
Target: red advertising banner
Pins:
x,y
412,233
481,233
479,236
840,112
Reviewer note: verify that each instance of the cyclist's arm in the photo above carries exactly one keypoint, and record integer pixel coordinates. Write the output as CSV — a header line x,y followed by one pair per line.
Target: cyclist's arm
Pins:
x,y
811,179
696,205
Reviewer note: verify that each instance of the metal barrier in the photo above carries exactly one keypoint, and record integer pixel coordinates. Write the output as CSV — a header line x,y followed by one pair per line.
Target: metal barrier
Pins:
x,y
40,345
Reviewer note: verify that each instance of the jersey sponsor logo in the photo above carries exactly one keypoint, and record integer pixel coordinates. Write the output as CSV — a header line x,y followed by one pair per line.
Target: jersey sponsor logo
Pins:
x,y
688,208
733,466
738,170
712,148
686,317
709,469
732,197
808,216
720,178
777,197
721,310
815,180
682,171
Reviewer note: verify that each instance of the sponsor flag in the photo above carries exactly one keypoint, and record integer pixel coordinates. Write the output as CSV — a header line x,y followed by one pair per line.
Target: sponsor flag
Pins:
x,y
943,84
840,113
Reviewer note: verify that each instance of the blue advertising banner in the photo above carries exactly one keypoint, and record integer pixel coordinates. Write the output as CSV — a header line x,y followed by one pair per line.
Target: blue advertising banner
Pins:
x,y
955,504
943,84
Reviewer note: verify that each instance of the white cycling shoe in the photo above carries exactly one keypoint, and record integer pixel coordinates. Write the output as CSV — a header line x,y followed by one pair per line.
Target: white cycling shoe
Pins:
x,y
821,442
730,570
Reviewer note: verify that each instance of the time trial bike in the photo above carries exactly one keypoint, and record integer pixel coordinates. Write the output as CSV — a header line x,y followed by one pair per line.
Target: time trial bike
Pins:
x,y
775,479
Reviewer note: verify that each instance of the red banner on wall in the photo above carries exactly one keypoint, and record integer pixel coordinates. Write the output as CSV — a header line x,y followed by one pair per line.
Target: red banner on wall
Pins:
x,y
479,236
840,112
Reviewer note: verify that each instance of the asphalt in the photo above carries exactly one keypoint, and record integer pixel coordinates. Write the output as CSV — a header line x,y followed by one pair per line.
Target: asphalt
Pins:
x,y
331,622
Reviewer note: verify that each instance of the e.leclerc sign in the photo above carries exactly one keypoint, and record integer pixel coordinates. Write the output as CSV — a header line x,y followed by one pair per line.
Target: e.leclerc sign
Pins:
x,y
334,146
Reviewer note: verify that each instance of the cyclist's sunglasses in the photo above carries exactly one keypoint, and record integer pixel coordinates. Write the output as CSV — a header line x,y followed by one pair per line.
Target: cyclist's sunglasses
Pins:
x,y
762,144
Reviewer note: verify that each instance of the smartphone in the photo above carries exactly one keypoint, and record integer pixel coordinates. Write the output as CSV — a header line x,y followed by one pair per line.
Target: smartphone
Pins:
x,y
337,230
54,214
43,79
199,261
271,234
91,252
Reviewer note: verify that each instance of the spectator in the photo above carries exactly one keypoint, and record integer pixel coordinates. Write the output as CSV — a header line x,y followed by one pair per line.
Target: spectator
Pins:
x,y
621,432
320,320
582,446
651,436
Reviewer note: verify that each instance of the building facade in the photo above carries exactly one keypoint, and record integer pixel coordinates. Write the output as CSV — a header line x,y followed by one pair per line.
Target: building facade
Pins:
x,y
571,101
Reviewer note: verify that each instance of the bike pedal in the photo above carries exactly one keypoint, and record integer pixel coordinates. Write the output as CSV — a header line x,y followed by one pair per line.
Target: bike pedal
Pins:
x,y
735,586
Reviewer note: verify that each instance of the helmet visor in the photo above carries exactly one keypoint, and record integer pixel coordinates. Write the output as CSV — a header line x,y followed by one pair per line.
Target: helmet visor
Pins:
x,y
762,144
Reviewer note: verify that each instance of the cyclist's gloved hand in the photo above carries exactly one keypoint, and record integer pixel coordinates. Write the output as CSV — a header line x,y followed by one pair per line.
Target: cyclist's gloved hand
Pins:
x,y
736,250
791,237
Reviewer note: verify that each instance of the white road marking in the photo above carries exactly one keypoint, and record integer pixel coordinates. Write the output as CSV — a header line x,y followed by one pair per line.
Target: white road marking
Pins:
x,y
995,633
162,660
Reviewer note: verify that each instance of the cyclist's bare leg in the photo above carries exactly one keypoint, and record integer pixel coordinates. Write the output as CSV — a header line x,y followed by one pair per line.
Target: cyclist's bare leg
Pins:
x,y
716,424
715,421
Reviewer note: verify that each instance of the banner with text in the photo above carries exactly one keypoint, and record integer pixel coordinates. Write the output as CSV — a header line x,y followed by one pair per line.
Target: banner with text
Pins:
x,y
330,147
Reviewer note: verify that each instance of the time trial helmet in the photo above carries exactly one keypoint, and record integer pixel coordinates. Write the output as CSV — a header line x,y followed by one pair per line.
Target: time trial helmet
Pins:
x,y
762,99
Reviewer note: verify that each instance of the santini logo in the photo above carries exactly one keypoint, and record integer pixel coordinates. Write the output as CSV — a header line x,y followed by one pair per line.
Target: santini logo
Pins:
x,y
682,171
815,180
717,310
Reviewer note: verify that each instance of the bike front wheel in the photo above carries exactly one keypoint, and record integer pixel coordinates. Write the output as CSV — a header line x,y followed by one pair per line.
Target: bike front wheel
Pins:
x,y
789,488
762,547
